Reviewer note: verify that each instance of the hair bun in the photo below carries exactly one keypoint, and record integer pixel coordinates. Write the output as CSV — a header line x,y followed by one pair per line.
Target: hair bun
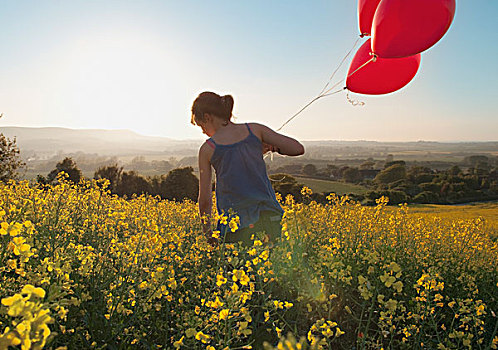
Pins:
x,y
227,102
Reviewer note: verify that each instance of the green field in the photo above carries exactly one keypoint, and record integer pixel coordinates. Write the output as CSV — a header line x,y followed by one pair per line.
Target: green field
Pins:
x,y
487,211
340,188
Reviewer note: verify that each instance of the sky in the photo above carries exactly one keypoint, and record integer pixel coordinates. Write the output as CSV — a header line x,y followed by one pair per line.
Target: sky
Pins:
x,y
139,65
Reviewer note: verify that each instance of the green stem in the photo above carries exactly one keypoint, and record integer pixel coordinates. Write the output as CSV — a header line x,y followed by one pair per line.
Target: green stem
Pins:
x,y
492,336
369,319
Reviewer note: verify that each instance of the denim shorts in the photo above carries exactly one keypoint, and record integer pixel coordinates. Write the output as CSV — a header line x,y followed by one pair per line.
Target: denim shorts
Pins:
x,y
268,228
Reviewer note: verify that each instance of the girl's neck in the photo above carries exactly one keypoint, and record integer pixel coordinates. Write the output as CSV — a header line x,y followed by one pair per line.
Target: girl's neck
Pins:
x,y
221,125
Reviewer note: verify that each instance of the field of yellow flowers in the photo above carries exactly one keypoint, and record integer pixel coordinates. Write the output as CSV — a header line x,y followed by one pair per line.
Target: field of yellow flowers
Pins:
x,y
83,269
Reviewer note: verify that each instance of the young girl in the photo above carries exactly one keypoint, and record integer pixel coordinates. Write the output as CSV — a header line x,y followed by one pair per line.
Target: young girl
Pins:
x,y
236,151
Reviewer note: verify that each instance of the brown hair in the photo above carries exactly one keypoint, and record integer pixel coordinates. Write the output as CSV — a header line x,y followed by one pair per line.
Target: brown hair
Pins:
x,y
212,103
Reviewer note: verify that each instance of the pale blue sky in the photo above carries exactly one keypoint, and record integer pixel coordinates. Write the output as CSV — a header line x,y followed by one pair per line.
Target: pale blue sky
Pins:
x,y
139,65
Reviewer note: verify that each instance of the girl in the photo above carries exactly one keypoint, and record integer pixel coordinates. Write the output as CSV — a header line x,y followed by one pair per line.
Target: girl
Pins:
x,y
236,151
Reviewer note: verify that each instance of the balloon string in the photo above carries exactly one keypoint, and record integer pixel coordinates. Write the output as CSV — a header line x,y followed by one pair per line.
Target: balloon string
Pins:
x,y
328,92
340,64
373,59
307,105
324,92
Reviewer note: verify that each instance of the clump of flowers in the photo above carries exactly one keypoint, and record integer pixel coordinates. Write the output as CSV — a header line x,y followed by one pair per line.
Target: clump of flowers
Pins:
x,y
29,319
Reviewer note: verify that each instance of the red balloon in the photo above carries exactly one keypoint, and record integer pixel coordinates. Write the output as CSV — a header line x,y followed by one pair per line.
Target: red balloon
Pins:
x,y
383,76
366,11
404,28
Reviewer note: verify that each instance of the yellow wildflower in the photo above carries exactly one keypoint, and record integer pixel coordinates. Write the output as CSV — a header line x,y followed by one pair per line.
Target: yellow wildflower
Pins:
x,y
224,314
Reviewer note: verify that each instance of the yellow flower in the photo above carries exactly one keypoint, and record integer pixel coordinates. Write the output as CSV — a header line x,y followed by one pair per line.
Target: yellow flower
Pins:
x,y
14,229
391,305
278,304
18,245
338,332
398,286
177,344
306,191
204,338
217,303
234,224
387,279
264,255
224,314
279,331
29,289
3,228
224,220
267,316
9,338
12,264
220,280
8,301
394,267
240,275
480,310
328,332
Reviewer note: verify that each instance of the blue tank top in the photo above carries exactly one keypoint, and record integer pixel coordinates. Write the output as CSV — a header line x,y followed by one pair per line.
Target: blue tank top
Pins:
x,y
242,183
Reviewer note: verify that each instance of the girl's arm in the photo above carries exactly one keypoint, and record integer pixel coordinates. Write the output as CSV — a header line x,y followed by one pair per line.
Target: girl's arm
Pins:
x,y
282,144
205,189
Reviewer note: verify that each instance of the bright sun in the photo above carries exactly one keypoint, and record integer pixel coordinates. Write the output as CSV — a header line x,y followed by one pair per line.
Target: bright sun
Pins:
x,y
112,78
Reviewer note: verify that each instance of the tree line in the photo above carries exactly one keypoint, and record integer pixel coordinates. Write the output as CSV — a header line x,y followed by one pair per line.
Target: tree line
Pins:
x,y
402,184
419,184
178,184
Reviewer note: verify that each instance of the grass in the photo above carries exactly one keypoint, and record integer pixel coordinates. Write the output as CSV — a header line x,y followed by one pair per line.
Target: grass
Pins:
x,y
340,188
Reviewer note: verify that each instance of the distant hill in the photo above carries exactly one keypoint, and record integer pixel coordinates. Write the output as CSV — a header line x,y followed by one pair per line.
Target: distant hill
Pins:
x,y
49,141
52,140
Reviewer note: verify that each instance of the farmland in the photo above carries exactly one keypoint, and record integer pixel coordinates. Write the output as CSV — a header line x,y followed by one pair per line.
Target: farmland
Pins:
x,y
82,268
326,186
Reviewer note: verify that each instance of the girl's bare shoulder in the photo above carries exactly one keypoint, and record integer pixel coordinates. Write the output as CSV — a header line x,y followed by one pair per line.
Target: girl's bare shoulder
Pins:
x,y
257,129
206,150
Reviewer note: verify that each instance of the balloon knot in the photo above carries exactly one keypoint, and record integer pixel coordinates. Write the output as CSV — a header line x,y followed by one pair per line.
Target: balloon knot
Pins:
x,y
354,102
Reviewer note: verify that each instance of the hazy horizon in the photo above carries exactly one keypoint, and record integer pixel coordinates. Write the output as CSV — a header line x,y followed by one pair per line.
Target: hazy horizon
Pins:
x,y
200,139
139,65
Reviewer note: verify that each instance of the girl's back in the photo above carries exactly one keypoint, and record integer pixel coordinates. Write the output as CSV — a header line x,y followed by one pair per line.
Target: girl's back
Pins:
x,y
231,133
242,183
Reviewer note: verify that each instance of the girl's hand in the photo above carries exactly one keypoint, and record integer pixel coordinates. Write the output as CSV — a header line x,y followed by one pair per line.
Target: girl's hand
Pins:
x,y
280,143
213,241
269,148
